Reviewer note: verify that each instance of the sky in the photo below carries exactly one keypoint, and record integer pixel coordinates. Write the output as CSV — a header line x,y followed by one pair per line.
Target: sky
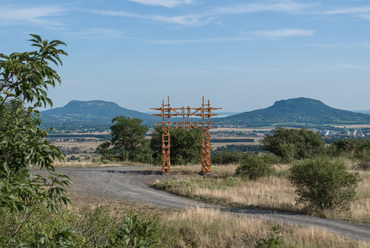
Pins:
x,y
242,55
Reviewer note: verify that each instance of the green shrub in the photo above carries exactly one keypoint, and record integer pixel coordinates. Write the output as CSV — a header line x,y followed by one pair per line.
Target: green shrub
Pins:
x,y
342,147
227,157
136,232
291,144
272,241
87,227
363,163
254,166
322,184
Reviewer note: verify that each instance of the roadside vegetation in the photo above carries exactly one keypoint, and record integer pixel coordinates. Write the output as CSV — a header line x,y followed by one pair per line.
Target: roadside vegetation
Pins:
x,y
299,175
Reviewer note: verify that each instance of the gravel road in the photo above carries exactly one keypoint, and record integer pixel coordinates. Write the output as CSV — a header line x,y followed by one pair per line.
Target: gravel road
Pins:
x,y
131,183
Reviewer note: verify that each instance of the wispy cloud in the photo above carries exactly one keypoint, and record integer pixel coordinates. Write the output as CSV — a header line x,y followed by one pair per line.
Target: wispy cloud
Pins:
x,y
212,14
187,20
266,34
282,6
101,33
355,10
279,33
11,14
360,12
164,3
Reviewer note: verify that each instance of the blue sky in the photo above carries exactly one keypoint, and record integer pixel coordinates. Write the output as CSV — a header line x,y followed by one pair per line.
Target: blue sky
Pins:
x,y
242,55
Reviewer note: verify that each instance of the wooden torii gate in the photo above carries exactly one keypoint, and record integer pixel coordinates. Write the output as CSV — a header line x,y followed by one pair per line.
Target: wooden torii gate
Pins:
x,y
205,112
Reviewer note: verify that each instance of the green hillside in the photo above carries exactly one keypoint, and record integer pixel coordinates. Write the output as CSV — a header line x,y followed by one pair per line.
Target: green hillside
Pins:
x,y
89,115
293,112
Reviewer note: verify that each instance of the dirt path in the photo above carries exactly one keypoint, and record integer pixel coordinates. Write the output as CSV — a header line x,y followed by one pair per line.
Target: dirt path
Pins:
x,y
131,183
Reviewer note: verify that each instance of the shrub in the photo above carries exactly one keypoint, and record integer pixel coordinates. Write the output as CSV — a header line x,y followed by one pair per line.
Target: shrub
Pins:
x,y
323,185
227,157
254,166
290,144
137,232
363,163
342,147
272,241
89,226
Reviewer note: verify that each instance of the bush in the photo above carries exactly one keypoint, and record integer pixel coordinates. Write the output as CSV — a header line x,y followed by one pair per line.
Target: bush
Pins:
x,y
227,157
89,226
273,241
291,144
323,185
137,232
363,163
342,147
254,166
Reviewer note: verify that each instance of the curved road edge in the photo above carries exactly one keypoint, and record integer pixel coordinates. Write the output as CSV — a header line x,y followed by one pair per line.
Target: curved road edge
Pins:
x,y
132,183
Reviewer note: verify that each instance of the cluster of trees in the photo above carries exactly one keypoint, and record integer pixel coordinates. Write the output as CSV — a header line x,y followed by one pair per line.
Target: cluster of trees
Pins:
x,y
129,143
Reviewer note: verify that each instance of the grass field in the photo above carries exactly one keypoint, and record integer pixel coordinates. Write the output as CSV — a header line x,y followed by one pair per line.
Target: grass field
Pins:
x,y
274,193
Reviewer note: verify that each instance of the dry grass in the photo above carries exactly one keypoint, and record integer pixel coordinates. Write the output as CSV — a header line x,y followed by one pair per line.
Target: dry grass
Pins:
x,y
199,227
80,201
84,146
268,193
218,171
213,228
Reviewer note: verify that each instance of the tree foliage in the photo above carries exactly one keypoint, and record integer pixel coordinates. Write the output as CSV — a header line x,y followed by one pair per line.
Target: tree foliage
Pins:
x,y
25,78
128,141
322,184
291,144
254,166
186,145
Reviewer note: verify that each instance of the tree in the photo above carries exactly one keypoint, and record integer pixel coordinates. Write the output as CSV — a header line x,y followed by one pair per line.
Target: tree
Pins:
x,y
323,185
290,144
186,145
25,78
128,141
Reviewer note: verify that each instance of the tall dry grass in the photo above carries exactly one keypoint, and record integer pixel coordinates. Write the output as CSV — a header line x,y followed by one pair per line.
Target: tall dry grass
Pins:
x,y
273,192
270,193
213,228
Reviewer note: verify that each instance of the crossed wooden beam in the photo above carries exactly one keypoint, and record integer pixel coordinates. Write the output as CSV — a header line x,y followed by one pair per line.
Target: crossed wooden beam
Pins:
x,y
205,112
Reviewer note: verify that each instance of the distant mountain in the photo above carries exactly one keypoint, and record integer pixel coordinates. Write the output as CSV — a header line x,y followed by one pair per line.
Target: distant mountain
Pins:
x,y
295,112
362,111
89,114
